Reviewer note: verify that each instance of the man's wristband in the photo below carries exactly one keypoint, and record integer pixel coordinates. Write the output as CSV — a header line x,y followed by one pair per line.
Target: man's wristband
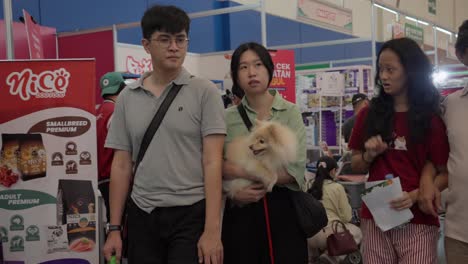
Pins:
x,y
364,159
111,228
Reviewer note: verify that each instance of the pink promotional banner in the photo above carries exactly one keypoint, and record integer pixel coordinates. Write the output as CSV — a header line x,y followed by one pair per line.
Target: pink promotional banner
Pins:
x,y
284,76
49,41
33,33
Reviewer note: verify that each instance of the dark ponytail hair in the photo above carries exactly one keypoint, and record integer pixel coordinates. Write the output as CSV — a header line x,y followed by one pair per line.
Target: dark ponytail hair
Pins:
x,y
324,165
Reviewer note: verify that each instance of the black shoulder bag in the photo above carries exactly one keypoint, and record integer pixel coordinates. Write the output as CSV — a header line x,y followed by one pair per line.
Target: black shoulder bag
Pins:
x,y
310,213
147,138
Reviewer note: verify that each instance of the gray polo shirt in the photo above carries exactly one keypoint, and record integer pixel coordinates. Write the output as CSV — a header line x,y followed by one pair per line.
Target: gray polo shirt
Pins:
x,y
171,172
456,110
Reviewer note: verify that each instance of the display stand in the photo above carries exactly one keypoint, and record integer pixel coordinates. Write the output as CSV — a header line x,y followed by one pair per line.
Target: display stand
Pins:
x,y
324,96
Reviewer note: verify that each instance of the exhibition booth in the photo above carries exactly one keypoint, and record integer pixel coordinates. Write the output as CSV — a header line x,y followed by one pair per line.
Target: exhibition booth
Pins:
x,y
50,208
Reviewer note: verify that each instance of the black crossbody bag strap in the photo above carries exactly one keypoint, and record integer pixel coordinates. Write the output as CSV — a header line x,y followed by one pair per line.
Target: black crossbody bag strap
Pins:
x,y
244,116
147,138
249,125
155,123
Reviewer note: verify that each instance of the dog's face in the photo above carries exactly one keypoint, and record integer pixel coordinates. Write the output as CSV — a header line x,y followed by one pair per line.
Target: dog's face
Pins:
x,y
262,138
259,145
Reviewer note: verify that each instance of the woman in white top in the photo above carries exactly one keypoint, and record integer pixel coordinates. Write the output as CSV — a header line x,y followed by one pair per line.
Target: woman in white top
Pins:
x,y
335,200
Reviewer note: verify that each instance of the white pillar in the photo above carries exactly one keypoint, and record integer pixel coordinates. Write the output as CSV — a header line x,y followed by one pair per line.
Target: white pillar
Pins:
x,y
8,16
263,22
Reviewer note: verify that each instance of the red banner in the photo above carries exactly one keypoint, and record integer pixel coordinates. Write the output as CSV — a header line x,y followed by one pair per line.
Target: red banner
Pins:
x,y
284,76
98,45
42,84
33,32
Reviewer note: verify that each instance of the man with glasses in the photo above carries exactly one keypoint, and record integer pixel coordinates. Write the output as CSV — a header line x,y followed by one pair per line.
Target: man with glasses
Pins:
x,y
175,206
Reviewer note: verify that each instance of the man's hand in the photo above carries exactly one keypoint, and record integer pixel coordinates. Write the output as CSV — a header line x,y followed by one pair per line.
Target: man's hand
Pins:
x,y
405,201
251,194
375,146
113,245
210,248
428,195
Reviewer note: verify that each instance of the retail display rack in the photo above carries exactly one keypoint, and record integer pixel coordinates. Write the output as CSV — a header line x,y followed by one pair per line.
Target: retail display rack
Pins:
x,y
324,96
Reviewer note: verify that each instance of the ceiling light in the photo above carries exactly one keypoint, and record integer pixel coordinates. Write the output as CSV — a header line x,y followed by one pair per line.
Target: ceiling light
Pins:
x,y
386,9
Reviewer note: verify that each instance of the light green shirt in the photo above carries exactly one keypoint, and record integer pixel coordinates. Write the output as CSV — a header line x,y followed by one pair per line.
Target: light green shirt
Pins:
x,y
283,112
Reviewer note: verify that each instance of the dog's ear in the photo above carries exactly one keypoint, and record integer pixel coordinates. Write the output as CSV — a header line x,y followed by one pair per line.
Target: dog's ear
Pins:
x,y
273,130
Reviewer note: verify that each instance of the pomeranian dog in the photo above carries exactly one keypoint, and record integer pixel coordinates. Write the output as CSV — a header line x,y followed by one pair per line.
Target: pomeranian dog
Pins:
x,y
269,147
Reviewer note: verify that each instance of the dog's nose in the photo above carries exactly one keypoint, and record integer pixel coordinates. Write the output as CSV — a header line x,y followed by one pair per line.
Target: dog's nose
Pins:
x,y
251,147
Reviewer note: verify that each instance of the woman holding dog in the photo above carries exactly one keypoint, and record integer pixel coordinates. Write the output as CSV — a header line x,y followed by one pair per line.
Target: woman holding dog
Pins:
x,y
401,133
245,232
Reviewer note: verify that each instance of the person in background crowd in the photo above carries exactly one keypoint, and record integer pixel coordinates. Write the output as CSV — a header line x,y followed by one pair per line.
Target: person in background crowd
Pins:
x,y
335,200
234,97
401,133
359,101
111,85
245,232
455,109
175,207
237,95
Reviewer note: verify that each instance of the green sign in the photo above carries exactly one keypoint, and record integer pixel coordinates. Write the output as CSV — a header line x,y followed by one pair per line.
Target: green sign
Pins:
x,y
24,199
313,67
17,244
432,7
415,33
32,233
16,223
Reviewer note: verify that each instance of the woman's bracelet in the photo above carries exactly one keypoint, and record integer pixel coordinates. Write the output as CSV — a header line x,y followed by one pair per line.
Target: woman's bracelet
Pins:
x,y
366,161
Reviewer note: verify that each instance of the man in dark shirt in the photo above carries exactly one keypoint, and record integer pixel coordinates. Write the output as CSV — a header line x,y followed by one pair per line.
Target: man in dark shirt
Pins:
x,y
359,101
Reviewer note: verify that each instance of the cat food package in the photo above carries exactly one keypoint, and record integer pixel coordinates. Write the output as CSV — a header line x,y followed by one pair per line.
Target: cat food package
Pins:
x,y
76,209
57,240
32,158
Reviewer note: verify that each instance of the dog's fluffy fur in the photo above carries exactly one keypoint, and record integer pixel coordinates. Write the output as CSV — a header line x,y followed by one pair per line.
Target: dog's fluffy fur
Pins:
x,y
269,147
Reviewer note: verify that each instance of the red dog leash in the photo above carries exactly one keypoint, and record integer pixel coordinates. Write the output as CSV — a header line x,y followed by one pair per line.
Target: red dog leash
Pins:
x,y
268,229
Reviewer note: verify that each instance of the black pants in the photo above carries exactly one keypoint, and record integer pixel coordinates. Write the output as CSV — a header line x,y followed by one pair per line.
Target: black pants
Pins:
x,y
104,189
169,235
245,238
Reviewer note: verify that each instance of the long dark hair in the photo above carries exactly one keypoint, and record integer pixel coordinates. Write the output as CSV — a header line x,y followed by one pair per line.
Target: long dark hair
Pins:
x,y
324,165
462,40
423,97
262,53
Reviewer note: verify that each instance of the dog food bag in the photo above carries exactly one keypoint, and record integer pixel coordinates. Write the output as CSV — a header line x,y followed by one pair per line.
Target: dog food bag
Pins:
x,y
57,240
76,209
32,160
10,150
9,173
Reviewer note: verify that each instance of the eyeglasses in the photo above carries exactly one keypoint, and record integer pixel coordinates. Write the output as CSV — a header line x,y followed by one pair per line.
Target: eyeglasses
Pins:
x,y
165,42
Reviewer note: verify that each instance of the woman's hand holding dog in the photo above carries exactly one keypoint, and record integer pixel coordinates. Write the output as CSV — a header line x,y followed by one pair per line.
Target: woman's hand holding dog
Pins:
x,y
233,171
251,194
